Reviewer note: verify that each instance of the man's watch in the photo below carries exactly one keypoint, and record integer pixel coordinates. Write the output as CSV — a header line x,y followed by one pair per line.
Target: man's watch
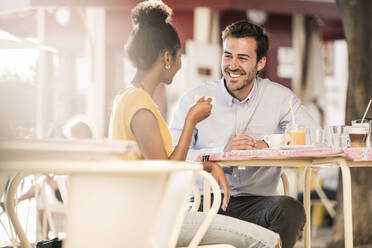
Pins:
x,y
266,139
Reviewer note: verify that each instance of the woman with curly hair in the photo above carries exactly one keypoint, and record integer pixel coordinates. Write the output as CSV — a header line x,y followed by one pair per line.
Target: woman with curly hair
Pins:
x,y
154,49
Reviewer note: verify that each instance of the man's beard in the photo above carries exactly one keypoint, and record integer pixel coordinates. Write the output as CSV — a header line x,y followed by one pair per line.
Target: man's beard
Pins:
x,y
251,76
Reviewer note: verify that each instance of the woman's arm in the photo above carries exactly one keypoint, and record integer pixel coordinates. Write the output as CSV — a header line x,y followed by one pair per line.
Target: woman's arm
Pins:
x,y
146,129
218,174
198,112
147,132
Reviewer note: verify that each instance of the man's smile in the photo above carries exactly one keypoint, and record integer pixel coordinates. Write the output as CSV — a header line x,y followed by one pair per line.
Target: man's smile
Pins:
x,y
234,74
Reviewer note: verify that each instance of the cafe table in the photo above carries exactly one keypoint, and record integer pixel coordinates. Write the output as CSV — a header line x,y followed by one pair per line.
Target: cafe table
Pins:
x,y
309,157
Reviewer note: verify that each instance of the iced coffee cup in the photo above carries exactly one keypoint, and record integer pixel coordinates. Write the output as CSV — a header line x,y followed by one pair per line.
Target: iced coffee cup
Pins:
x,y
358,134
295,134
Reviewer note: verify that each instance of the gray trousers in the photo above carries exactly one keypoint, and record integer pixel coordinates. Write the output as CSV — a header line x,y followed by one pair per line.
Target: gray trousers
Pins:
x,y
227,230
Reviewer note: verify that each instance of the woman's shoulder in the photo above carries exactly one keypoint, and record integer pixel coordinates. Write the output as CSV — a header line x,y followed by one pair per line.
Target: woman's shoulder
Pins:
x,y
133,91
132,95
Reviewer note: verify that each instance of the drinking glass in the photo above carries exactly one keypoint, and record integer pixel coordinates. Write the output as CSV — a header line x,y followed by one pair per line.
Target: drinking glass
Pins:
x,y
295,134
316,137
339,136
360,133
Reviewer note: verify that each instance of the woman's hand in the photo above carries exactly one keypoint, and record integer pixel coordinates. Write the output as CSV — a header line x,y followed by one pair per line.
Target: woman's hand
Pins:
x,y
200,110
220,177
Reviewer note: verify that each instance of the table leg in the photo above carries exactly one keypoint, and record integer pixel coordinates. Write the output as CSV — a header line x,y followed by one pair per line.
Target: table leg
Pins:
x,y
307,233
348,216
10,208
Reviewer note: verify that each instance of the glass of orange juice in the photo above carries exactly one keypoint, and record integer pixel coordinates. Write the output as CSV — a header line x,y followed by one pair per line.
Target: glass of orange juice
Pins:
x,y
295,134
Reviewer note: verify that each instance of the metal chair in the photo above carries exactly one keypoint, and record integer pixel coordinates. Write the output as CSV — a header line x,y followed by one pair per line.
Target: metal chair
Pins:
x,y
7,227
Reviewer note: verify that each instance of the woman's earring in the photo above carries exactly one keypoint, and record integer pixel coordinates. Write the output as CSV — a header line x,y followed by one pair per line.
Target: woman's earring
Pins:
x,y
167,67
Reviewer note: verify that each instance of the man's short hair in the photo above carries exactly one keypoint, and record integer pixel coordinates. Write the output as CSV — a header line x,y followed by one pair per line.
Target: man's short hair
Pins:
x,y
243,29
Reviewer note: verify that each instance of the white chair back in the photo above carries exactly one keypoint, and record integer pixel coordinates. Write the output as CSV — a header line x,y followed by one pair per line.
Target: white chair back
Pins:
x,y
172,209
3,179
143,204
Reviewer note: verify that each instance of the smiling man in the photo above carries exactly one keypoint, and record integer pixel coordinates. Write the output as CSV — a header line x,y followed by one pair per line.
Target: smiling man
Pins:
x,y
240,65
246,109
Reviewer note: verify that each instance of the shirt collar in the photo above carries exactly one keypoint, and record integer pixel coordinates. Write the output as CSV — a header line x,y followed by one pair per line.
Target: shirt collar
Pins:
x,y
229,99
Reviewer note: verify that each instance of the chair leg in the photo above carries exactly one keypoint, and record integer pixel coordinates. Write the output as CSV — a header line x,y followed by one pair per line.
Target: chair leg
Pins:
x,y
285,184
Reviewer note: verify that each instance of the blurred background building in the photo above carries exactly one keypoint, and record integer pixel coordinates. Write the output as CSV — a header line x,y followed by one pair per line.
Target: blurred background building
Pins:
x,y
59,58
62,58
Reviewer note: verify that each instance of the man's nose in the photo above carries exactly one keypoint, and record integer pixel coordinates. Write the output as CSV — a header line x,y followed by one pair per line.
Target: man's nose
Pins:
x,y
234,64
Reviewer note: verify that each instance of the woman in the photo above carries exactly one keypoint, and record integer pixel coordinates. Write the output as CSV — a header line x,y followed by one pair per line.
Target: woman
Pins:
x,y
154,49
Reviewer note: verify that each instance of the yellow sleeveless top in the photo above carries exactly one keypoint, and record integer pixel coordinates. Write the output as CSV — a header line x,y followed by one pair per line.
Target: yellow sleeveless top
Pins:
x,y
126,104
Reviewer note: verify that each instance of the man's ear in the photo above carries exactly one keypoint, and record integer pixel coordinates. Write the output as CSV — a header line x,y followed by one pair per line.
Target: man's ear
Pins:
x,y
261,63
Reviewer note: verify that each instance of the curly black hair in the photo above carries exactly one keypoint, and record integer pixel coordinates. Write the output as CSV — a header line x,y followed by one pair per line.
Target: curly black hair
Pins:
x,y
152,34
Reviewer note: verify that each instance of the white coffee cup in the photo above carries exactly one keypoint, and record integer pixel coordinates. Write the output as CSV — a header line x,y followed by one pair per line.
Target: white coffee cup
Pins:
x,y
274,140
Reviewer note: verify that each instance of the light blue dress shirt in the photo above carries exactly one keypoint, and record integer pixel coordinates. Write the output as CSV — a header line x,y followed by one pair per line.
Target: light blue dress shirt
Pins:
x,y
265,111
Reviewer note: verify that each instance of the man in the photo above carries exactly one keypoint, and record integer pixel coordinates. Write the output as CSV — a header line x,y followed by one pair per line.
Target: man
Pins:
x,y
246,109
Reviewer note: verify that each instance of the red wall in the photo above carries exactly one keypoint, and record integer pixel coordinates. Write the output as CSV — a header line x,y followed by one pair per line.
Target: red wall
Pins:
x,y
119,26
183,21
279,27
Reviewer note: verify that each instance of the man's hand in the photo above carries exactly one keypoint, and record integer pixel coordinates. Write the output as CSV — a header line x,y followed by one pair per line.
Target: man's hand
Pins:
x,y
245,142
241,142
260,144
220,177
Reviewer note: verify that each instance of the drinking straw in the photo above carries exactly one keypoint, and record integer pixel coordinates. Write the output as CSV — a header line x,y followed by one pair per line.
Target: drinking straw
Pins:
x,y
292,112
365,112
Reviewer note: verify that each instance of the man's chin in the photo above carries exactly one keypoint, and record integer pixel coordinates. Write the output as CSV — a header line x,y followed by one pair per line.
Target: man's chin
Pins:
x,y
234,85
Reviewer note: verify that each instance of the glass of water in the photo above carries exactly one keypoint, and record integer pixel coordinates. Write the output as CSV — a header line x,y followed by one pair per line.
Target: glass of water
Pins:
x,y
339,136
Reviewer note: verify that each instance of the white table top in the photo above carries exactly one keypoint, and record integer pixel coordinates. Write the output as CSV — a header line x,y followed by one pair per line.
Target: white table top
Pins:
x,y
59,149
74,145
70,156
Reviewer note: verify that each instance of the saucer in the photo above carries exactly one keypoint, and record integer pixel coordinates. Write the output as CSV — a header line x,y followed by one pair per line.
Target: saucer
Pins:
x,y
296,147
